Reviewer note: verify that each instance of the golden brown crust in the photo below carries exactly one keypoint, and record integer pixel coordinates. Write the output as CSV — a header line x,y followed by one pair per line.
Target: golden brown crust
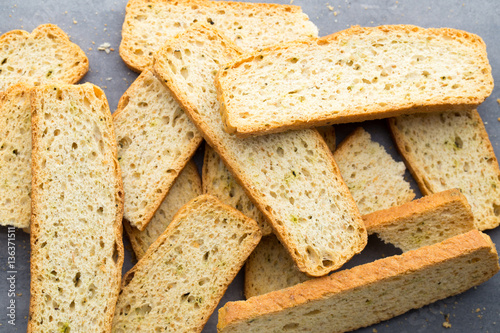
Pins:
x,y
361,276
430,202
378,112
36,294
174,170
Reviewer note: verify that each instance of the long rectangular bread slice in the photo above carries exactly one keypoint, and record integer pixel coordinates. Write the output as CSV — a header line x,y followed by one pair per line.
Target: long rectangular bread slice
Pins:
x,y
77,208
186,187
149,23
46,55
422,222
370,293
426,221
452,150
155,141
15,156
219,182
292,177
353,75
375,180
178,283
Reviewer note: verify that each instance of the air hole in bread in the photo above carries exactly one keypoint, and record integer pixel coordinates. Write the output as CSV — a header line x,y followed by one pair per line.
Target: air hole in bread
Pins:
x,y
327,263
458,142
128,278
290,326
100,210
59,94
184,297
312,313
76,279
57,132
496,209
74,145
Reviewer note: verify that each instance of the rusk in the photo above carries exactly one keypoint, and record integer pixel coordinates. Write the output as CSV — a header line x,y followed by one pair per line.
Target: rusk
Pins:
x,y
377,291
77,207
353,75
155,141
46,55
452,150
15,156
183,275
375,180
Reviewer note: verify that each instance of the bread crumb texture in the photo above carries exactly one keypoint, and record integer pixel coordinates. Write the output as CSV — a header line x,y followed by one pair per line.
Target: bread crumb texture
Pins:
x,y
452,150
353,75
292,177
155,141
219,182
46,55
180,280
375,180
249,25
15,156
186,187
76,243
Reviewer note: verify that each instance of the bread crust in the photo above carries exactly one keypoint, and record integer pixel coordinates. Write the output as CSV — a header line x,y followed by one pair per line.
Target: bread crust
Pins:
x,y
217,143
168,179
472,244
233,124
52,31
37,102
139,63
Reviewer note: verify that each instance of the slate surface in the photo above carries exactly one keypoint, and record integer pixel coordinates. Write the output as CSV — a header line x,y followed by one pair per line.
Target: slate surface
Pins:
x,y
93,22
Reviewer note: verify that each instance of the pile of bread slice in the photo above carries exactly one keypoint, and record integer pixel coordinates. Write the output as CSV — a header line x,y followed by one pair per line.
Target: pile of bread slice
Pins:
x,y
262,90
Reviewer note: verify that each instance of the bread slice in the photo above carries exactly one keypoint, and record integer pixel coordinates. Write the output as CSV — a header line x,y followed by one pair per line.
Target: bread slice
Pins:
x,y
186,187
270,268
15,156
376,291
148,24
155,141
46,55
415,224
291,178
452,150
422,222
178,283
328,134
219,182
353,75
77,202
375,180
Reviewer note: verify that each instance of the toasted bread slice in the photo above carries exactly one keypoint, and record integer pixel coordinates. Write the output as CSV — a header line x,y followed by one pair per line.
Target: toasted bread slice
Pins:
x,y
77,202
422,222
186,187
353,75
219,182
46,55
452,150
292,177
148,24
155,141
375,180
178,283
377,291
15,156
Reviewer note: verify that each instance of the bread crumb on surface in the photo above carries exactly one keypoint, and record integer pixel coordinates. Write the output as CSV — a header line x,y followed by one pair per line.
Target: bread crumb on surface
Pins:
x,y
446,324
105,47
498,100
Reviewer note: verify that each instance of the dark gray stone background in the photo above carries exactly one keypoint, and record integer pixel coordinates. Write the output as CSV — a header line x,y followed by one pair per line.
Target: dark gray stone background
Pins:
x,y
93,22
